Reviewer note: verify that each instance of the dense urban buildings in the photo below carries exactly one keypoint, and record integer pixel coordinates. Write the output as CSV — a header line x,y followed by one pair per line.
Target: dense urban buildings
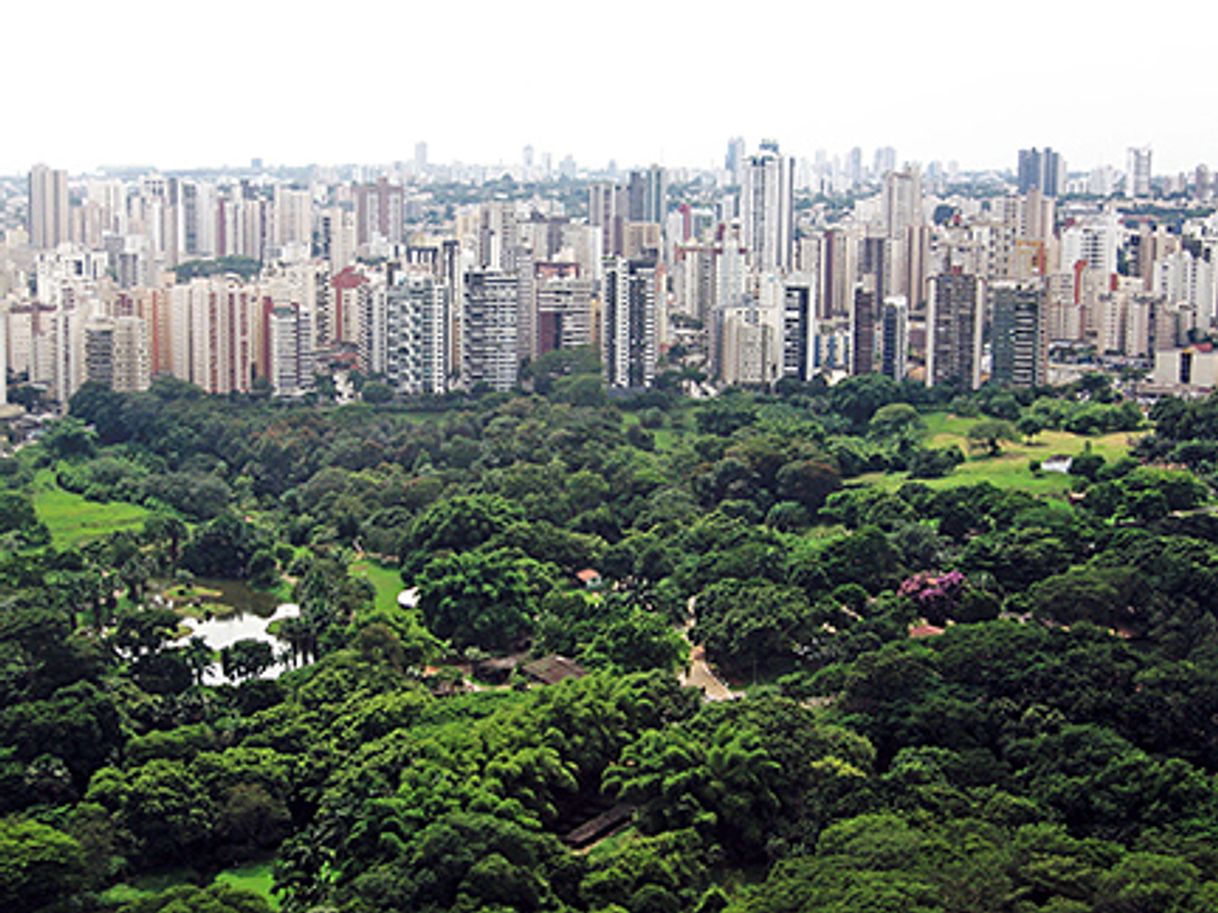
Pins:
x,y
432,277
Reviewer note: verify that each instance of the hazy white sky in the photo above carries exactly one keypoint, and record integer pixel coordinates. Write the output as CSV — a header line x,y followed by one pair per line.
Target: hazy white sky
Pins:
x,y
178,84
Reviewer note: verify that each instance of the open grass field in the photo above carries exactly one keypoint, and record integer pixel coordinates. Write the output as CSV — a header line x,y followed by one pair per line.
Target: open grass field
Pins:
x,y
668,435
387,580
1010,468
146,885
73,520
255,877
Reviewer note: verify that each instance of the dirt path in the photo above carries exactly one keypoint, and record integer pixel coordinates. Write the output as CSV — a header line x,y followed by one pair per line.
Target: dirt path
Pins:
x,y
699,674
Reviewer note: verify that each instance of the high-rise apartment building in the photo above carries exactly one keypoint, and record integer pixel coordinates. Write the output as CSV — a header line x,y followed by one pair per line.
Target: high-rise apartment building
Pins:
x,y
885,161
894,337
902,201
1137,171
214,329
767,209
99,352
854,166
498,236
607,210
628,334
862,328
346,300
646,194
564,308
379,212
751,346
1203,182
1041,170
48,207
799,327
955,322
488,330
1019,334
1093,243
131,361
655,200
734,160
416,335
290,344
293,216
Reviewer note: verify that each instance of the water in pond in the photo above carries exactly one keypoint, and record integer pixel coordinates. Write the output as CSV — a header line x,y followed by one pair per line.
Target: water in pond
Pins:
x,y
237,594
255,612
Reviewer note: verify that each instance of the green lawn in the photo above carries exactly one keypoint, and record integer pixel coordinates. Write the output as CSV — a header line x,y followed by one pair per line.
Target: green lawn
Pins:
x,y
147,885
255,877
73,520
612,843
1010,468
667,435
387,580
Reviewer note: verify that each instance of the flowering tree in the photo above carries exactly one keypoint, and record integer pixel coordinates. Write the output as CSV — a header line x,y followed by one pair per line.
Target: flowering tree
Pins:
x,y
934,595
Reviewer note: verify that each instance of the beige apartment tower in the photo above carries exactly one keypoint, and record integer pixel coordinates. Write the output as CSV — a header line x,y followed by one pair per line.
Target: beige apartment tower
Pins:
x,y
48,207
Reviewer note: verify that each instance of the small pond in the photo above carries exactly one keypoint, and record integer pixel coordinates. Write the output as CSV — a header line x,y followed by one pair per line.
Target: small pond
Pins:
x,y
255,610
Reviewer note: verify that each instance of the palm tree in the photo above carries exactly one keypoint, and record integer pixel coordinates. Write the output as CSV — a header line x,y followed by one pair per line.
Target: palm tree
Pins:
x,y
167,530
135,574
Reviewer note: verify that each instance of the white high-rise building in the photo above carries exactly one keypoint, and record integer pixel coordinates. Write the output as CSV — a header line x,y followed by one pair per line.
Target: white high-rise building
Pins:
x,y
213,333
291,349
752,346
48,207
338,236
488,330
416,335
1101,181
693,271
902,202
116,353
132,364
293,217
1094,243
60,353
1137,172
1182,278
729,272
767,209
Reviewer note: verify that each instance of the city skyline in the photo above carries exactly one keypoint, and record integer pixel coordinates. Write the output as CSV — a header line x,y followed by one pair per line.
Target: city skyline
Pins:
x,y
926,80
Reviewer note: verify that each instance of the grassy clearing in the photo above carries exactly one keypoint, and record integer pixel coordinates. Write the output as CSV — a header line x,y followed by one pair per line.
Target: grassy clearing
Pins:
x,y
386,580
667,435
147,885
73,520
614,841
255,877
1010,468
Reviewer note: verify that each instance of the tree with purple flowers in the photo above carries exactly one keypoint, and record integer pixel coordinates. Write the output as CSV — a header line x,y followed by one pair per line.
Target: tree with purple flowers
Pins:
x,y
934,595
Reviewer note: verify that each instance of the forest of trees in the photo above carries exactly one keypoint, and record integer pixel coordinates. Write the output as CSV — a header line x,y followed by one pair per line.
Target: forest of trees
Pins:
x,y
955,696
